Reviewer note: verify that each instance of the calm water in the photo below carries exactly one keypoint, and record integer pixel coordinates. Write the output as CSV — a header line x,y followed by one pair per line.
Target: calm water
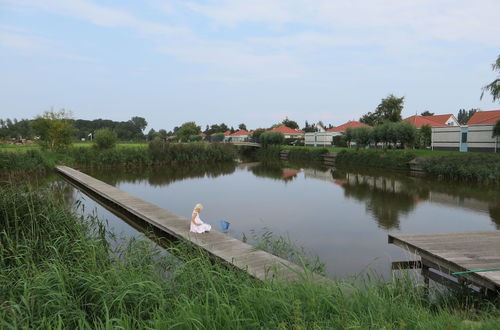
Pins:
x,y
344,216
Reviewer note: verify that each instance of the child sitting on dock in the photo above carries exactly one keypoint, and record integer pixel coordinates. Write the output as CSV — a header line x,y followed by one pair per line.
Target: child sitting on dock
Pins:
x,y
197,225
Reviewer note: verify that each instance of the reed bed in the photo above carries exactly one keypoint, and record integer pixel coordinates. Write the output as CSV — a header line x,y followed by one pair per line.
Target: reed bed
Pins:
x,y
468,167
58,270
157,153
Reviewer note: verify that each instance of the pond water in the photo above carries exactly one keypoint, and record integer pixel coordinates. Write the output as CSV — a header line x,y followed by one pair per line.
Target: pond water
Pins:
x,y
342,215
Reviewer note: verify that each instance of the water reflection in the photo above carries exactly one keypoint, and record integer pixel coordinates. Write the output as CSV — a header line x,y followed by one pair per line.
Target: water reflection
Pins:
x,y
388,196
160,176
342,214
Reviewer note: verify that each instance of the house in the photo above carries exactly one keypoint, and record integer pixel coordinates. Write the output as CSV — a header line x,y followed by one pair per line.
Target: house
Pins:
x,y
288,132
340,130
325,138
433,121
240,136
475,136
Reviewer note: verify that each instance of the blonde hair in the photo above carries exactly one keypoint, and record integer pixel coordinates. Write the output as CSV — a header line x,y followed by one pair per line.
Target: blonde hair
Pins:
x,y
198,207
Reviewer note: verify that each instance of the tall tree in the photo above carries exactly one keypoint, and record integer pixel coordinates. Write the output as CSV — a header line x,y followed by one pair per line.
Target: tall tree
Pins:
x,y
389,109
139,122
427,113
290,123
463,115
494,87
242,127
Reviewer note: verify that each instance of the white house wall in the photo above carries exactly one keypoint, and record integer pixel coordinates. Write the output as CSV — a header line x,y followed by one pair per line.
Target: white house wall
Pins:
x,y
446,138
318,139
479,138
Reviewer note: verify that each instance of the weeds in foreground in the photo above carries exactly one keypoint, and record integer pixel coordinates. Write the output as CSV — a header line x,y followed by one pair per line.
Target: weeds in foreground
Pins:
x,y
57,270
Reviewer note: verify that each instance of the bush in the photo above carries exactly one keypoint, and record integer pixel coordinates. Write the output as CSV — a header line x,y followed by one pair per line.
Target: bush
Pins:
x,y
272,138
339,141
105,138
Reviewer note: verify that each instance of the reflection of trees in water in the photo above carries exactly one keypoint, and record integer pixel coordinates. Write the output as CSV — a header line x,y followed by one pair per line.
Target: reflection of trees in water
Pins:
x,y
271,170
163,175
399,192
386,206
495,214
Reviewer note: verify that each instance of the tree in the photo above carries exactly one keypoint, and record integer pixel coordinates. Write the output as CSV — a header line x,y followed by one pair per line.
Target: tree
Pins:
x,y
494,87
426,135
242,127
163,134
389,109
55,129
496,129
151,134
407,134
309,128
139,122
290,123
427,113
105,138
186,130
463,115
256,134
361,135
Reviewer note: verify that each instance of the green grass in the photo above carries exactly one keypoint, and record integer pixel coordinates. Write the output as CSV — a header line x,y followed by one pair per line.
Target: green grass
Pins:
x,y
58,271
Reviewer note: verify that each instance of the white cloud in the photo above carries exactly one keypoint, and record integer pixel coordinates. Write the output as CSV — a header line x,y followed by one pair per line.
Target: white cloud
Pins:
x,y
449,20
26,42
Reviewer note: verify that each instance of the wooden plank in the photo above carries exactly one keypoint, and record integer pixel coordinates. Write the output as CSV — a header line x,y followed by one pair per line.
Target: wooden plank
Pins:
x,y
257,263
459,251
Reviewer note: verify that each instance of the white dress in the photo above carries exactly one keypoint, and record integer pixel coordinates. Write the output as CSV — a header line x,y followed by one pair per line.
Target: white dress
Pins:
x,y
203,227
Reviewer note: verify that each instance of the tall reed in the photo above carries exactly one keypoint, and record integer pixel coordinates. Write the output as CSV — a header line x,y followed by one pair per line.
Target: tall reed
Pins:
x,y
58,271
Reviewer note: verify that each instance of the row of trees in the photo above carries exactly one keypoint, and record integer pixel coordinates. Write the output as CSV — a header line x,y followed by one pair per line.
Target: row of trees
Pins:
x,y
131,130
389,134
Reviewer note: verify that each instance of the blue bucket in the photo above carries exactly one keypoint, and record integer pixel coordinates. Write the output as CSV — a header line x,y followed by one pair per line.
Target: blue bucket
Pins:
x,y
224,225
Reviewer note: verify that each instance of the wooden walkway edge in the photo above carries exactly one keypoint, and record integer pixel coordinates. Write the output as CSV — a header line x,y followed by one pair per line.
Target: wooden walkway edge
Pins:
x,y
258,263
455,252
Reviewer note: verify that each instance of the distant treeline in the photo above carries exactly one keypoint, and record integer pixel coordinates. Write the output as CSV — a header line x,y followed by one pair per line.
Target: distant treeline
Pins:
x,y
131,130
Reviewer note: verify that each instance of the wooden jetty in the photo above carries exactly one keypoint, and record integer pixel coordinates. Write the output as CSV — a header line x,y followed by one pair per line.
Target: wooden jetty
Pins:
x,y
446,253
222,247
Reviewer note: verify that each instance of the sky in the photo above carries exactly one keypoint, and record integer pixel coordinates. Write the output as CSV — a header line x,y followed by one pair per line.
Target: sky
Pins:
x,y
244,61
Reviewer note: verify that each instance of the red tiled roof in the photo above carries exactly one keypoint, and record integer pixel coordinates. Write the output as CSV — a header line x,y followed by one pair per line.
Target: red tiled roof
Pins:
x,y
286,130
240,132
432,121
226,133
484,117
203,134
349,124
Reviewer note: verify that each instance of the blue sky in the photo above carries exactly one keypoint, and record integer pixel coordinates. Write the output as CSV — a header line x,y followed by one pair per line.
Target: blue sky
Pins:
x,y
250,61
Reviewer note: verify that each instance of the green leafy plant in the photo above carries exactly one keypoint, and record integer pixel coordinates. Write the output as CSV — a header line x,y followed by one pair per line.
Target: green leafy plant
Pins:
x,y
105,138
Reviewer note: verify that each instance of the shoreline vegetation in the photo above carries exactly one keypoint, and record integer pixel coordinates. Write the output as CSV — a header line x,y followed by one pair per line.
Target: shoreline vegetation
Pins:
x,y
59,270
479,167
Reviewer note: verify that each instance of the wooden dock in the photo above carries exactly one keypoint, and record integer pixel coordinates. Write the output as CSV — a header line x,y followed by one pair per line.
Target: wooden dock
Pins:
x,y
455,252
222,247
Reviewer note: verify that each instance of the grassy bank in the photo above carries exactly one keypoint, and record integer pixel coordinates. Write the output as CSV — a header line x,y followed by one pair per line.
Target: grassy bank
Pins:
x,y
58,271
131,155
